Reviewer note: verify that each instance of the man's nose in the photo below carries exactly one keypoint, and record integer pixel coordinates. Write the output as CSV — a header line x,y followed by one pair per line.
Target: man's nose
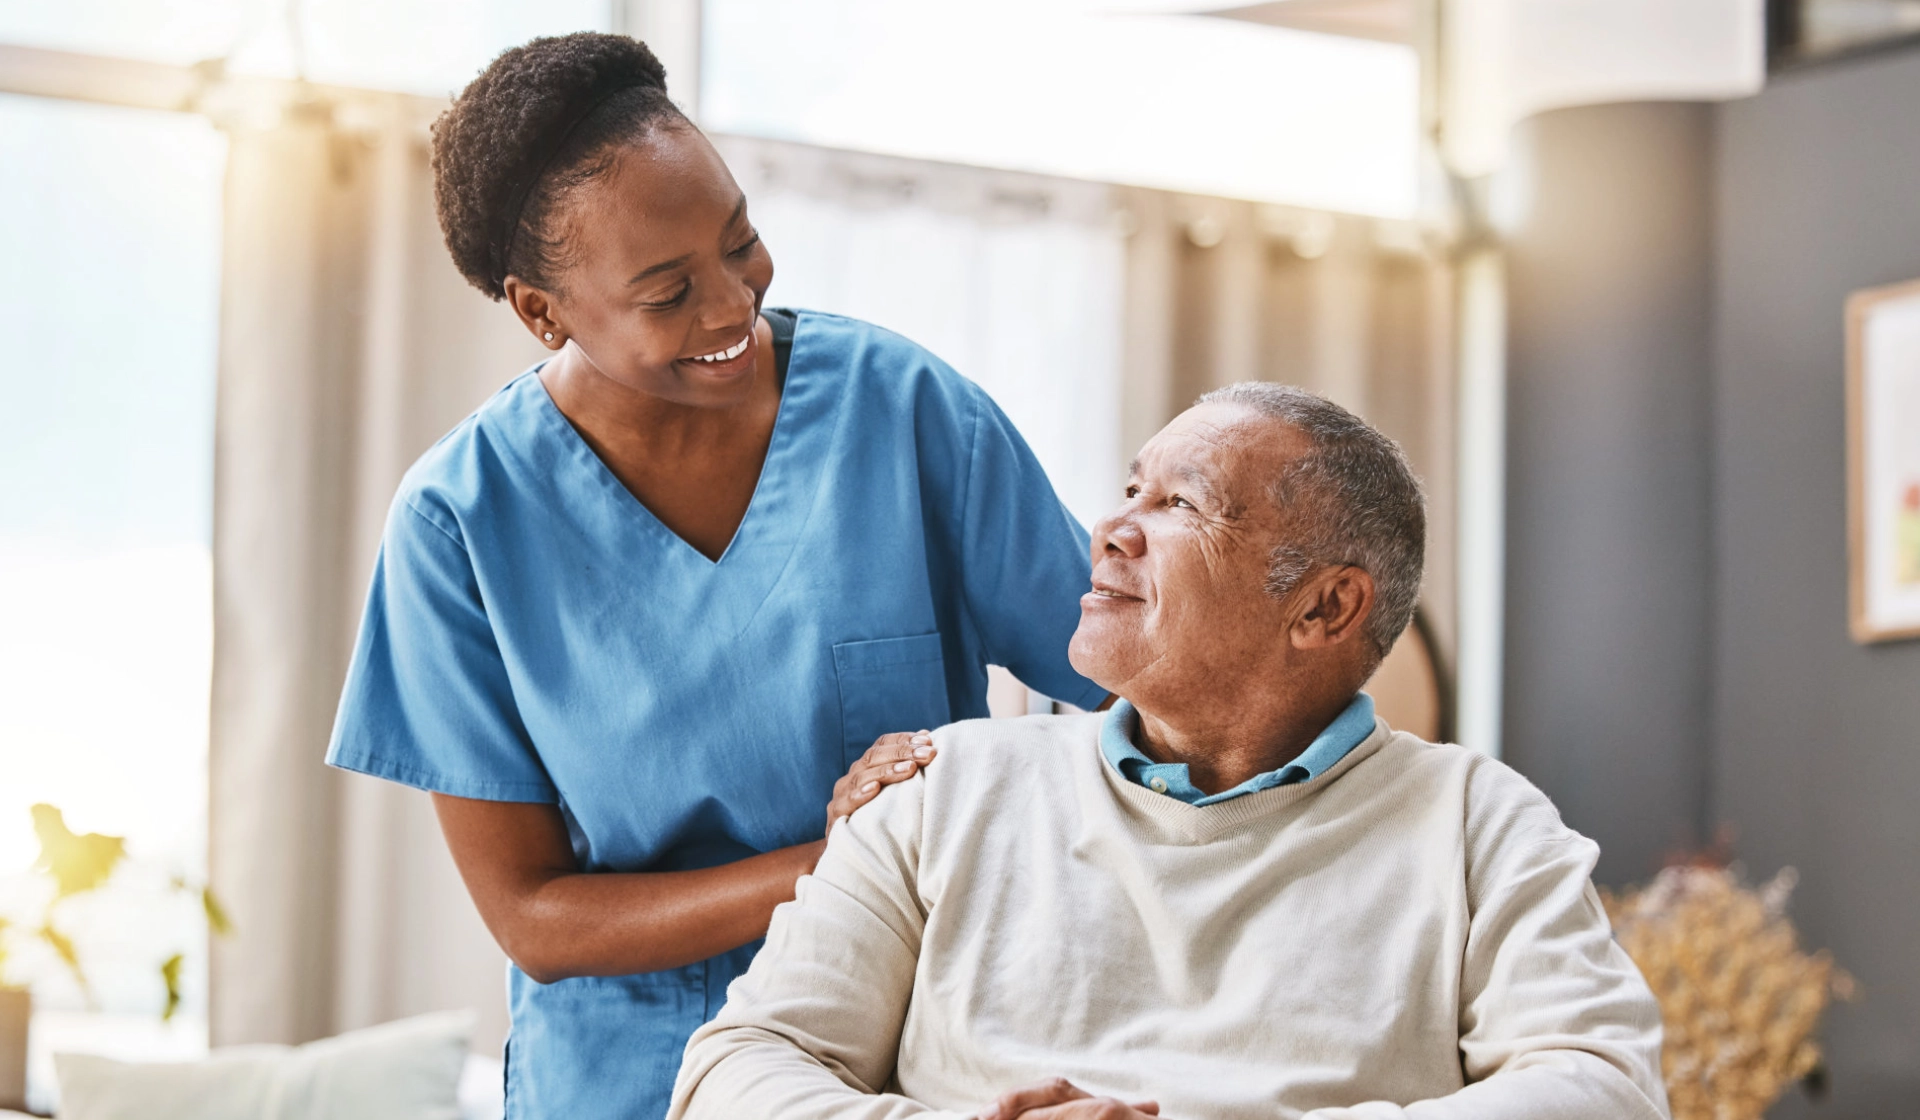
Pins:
x,y
1117,532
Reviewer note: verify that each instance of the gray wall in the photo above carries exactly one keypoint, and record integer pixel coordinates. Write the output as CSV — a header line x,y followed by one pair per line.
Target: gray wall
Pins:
x,y
1816,745
1678,656
1608,559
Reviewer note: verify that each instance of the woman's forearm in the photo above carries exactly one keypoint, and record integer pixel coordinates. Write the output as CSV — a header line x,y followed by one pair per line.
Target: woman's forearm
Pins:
x,y
576,924
556,921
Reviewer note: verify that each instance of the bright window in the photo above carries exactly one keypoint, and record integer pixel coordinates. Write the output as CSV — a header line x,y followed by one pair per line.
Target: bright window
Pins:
x,y
109,297
1077,88
421,46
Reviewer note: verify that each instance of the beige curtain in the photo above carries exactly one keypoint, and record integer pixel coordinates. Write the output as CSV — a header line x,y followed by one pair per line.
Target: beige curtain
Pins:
x,y
348,345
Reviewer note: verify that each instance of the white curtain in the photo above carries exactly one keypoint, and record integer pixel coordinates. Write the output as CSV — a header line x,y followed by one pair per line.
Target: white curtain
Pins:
x,y
348,344
1017,281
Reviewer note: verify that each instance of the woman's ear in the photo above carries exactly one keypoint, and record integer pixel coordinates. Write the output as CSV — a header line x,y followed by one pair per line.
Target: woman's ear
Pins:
x,y
537,311
1334,604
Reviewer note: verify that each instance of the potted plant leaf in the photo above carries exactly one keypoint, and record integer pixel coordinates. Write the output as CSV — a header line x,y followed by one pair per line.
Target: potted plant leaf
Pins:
x,y
73,864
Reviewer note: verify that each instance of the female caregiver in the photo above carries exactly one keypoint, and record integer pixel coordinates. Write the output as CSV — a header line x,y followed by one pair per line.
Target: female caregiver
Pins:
x,y
633,618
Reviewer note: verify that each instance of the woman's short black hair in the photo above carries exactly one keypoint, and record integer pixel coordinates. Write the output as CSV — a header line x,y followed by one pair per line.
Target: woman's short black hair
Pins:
x,y
539,121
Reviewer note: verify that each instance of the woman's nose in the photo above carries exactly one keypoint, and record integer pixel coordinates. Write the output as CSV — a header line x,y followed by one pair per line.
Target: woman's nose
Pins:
x,y
732,301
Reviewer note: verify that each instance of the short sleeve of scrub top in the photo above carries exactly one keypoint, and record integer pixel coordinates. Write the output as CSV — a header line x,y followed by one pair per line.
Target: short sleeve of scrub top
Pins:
x,y
534,633
428,663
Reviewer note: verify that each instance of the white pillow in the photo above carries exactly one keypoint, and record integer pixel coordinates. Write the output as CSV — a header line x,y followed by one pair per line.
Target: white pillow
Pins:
x,y
406,1070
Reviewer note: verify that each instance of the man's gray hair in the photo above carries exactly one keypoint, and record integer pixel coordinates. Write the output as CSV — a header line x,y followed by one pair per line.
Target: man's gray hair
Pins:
x,y
1351,498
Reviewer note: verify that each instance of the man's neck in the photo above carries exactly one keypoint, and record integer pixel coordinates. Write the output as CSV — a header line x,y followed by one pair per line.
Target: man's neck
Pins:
x,y
1226,744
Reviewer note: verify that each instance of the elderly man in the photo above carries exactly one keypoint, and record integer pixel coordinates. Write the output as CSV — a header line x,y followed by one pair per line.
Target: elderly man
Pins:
x,y
1235,894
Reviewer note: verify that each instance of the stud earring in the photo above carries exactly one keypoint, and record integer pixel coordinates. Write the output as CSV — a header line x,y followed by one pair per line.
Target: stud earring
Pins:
x,y
549,336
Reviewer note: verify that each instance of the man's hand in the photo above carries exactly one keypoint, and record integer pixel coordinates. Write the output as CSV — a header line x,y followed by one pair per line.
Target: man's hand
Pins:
x,y
1060,1099
892,758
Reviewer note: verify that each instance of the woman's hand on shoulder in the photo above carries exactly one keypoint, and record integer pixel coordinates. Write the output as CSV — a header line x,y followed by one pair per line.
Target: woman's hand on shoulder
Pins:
x,y
892,758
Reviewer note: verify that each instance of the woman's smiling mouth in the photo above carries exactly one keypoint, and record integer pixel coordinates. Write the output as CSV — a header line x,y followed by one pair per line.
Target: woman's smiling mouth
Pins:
x,y
727,355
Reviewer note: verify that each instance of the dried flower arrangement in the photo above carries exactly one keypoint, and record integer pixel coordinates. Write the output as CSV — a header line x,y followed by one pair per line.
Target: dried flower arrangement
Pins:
x,y
1740,1001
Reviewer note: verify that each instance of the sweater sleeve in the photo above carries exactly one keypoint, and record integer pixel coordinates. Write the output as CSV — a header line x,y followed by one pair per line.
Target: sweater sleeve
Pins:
x,y
1556,1022
812,1029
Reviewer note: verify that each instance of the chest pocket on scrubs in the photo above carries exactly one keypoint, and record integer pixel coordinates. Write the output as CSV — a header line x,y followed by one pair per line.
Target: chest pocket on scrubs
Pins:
x,y
889,684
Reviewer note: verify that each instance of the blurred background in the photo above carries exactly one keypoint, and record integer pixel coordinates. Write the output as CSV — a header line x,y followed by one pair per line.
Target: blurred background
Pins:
x,y
1587,261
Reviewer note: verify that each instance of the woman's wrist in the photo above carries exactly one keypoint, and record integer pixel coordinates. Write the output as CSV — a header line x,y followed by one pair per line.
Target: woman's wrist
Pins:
x,y
807,856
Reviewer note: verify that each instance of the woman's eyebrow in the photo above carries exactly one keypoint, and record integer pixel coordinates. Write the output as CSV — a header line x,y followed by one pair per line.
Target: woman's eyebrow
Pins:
x,y
733,219
663,266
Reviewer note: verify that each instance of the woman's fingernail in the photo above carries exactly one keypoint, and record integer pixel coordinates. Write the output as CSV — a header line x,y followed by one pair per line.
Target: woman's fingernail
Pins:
x,y
869,787
923,753
901,766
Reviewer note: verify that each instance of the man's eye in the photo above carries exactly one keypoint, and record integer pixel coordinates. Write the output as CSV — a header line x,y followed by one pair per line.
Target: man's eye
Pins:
x,y
1133,491
743,250
1177,500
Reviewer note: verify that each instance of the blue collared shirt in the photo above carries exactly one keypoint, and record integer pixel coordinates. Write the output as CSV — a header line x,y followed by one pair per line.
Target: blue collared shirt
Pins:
x,y
1348,730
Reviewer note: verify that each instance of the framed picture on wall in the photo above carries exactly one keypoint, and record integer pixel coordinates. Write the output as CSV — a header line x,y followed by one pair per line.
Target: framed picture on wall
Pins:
x,y
1883,468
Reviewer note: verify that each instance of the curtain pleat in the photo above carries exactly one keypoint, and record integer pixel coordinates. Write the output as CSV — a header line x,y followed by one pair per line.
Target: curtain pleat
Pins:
x,y
348,346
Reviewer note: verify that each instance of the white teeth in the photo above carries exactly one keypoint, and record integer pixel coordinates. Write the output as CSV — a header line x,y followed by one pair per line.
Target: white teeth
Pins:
x,y
727,355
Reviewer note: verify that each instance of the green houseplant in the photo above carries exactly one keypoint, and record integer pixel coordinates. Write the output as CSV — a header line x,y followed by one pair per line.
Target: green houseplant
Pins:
x,y
73,864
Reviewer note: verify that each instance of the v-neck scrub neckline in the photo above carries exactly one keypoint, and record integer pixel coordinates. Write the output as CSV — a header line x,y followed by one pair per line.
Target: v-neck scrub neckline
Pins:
x,y
775,519
534,633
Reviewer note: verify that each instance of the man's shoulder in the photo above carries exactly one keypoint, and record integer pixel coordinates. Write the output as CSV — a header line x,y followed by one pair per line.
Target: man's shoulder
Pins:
x,y
1505,822
994,756
1494,798
1019,741
986,769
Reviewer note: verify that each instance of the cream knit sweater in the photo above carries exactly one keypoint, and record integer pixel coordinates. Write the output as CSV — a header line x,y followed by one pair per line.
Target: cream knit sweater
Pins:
x,y
1411,935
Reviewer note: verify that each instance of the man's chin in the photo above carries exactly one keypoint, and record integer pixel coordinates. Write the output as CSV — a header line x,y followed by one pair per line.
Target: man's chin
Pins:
x,y
1092,656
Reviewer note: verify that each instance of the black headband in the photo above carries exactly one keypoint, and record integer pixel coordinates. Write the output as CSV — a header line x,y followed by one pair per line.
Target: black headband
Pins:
x,y
546,154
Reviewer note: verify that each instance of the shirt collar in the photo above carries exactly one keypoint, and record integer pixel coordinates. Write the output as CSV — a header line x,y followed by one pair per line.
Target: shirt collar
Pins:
x,y
1120,723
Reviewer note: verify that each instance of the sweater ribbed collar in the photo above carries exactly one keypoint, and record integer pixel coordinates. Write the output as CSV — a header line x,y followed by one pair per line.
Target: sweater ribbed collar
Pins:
x,y
1182,823
1119,743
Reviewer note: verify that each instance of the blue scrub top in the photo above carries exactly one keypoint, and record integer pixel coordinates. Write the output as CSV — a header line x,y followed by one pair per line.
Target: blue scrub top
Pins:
x,y
534,633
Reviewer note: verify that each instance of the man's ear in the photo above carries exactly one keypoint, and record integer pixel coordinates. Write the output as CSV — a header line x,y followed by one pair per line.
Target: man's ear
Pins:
x,y
537,312
1333,605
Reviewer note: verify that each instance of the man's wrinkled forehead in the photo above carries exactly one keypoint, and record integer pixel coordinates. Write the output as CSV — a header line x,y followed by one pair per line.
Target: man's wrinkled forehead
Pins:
x,y
1234,453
